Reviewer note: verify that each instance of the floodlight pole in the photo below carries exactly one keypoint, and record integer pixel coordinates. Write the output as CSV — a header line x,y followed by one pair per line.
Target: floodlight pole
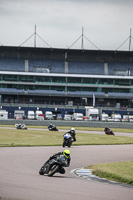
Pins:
x,y
35,37
82,42
130,39
35,34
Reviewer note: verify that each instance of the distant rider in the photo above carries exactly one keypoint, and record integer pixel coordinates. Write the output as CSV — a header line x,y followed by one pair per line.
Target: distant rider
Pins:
x,y
73,134
19,125
51,126
107,130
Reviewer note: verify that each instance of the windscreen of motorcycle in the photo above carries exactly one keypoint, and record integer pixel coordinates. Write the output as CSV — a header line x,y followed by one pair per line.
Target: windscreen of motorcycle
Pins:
x,y
67,136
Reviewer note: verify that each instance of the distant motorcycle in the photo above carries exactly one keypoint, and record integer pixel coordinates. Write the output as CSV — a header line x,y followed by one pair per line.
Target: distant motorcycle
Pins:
x,y
54,165
20,126
108,131
67,140
53,128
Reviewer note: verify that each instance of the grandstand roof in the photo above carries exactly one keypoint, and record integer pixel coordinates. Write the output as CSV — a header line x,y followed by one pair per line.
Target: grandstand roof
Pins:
x,y
65,54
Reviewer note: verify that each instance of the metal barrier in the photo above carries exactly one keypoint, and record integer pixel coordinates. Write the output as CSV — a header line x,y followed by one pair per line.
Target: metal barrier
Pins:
x,y
128,125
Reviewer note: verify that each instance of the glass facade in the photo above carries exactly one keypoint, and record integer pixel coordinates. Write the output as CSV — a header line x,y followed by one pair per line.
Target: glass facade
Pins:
x,y
65,83
56,89
39,80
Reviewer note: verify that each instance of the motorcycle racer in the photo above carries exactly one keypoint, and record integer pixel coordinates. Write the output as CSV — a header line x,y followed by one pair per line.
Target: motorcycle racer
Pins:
x,y
72,133
108,131
45,168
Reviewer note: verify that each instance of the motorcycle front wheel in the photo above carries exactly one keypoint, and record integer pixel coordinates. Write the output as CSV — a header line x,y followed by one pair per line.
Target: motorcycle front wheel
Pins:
x,y
64,144
41,171
53,170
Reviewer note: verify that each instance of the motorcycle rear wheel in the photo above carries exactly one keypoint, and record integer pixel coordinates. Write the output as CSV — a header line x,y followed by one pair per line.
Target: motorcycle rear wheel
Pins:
x,y
53,170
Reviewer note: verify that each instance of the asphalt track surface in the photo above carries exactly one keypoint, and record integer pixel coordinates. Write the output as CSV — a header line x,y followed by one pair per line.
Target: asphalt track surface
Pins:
x,y
20,180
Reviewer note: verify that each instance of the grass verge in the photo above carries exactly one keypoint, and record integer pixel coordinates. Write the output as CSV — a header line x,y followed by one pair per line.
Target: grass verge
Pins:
x,y
120,172
15,137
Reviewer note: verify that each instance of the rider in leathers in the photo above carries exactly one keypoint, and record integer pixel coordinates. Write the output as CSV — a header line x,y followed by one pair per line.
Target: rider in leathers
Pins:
x,y
72,133
66,153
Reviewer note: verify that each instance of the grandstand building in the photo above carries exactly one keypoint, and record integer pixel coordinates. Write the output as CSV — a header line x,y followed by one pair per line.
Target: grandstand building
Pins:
x,y
30,75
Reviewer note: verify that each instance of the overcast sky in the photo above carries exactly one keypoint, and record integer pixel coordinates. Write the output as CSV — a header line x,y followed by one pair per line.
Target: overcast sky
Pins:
x,y
106,23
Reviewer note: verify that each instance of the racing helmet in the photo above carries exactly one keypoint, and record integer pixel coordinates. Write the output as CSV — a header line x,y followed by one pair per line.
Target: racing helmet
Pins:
x,y
72,129
66,153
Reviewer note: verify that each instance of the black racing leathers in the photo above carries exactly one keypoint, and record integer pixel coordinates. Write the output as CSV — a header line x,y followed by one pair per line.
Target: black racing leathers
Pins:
x,y
57,154
72,133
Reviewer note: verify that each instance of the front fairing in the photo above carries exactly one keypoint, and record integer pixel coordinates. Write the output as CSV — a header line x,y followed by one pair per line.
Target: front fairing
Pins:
x,y
67,136
63,160
60,160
